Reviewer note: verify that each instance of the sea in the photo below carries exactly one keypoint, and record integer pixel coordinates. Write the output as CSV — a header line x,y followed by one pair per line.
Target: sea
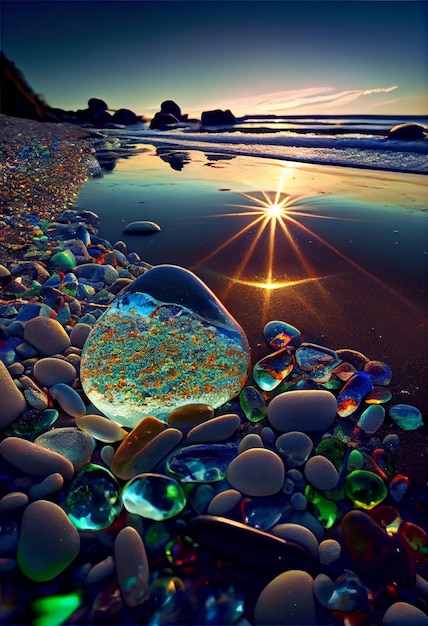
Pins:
x,y
355,141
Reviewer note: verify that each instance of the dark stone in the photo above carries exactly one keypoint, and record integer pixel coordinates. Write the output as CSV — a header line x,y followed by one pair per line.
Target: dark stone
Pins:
x,y
162,121
17,98
125,117
97,105
253,548
217,117
408,132
169,106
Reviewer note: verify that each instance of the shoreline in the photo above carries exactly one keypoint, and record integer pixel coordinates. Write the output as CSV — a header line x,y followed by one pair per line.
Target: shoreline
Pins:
x,y
67,158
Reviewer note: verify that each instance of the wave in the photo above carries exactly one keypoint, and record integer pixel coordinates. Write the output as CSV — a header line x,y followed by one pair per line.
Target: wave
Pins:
x,y
346,145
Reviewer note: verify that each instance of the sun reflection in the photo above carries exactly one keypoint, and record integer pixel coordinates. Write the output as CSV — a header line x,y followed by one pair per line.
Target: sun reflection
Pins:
x,y
277,217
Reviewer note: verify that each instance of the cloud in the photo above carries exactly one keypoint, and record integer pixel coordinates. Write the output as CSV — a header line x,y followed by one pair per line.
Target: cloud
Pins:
x,y
284,101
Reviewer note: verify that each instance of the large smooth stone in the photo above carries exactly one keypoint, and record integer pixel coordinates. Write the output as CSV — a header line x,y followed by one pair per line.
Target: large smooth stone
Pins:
x,y
13,401
48,541
165,342
404,614
256,472
307,411
287,599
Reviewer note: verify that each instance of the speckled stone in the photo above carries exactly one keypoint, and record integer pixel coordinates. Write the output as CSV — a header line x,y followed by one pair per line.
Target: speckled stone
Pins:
x,y
256,472
48,541
72,443
308,411
287,599
12,400
47,335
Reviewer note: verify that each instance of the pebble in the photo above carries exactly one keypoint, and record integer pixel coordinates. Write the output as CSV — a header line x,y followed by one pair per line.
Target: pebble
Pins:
x,y
47,335
132,568
68,399
49,485
295,448
153,496
321,473
13,500
329,551
256,472
48,541
141,227
101,428
50,370
34,459
250,441
190,415
13,402
308,411
216,429
287,599
224,501
404,614
298,534
406,416
72,443
79,334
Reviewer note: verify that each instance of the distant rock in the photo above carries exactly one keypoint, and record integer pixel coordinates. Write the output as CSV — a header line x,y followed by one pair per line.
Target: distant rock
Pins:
x,y
169,115
125,117
141,228
217,117
408,132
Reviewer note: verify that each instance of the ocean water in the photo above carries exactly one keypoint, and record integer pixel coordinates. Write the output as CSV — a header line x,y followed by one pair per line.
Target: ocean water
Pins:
x,y
347,141
345,259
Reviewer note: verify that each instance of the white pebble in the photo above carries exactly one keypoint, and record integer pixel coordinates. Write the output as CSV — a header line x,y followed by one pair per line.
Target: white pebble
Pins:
x,y
305,410
256,472
299,534
321,473
216,429
287,599
224,501
132,568
329,551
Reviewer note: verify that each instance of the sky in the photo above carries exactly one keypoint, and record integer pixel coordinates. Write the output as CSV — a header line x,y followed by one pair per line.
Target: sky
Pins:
x,y
297,57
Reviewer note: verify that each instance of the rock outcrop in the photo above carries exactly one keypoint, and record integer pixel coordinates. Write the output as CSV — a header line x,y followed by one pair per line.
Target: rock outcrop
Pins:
x,y
217,117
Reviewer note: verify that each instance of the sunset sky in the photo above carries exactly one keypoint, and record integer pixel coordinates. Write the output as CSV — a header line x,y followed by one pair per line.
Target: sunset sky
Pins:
x,y
297,57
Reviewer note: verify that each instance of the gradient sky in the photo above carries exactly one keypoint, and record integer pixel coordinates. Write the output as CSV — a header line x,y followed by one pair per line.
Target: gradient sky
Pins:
x,y
297,57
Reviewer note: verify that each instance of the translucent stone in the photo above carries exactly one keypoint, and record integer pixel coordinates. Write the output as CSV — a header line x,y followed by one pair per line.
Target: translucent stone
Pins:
x,y
355,460
398,487
279,334
378,395
365,489
93,501
253,404
352,393
334,449
263,512
415,540
271,370
153,496
165,342
379,372
406,416
388,517
201,463
349,595
33,422
295,448
134,442
326,510
371,419
317,362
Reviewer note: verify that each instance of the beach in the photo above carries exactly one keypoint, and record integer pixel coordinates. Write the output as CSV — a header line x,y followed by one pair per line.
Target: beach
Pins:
x,y
337,252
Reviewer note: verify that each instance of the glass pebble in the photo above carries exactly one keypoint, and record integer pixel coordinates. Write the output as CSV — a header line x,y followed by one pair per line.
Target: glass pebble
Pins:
x,y
33,422
371,419
317,362
164,342
326,510
379,372
378,395
271,370
406,416
201,463
365,489
279,334
353,392
93,501
392,443
153,496
398,487
253,404
415,540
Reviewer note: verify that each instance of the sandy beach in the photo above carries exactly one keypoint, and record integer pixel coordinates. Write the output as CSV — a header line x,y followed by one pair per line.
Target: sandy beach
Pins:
x,y
344,261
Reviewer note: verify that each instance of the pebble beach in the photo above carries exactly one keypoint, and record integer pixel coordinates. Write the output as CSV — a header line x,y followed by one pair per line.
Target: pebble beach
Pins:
x,y
276,492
